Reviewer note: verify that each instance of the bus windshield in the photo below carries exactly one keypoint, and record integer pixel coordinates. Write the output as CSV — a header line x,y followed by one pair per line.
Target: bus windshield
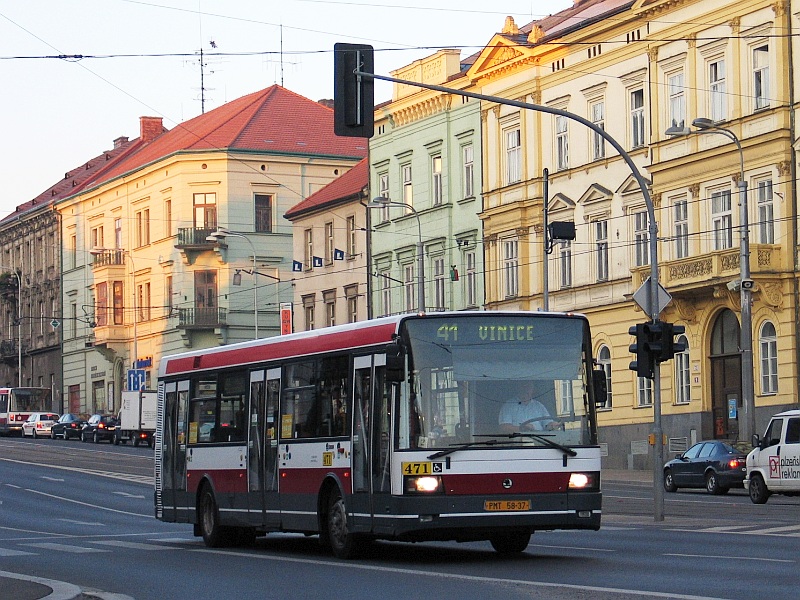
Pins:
x,y
31,399
500,379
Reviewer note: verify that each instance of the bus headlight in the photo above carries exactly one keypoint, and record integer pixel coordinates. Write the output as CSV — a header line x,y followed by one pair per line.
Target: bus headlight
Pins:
x,y
583,481
424,484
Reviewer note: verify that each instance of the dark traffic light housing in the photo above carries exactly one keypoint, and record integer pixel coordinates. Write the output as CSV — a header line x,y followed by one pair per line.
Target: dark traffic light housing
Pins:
x,y
353,95
655,343
645,364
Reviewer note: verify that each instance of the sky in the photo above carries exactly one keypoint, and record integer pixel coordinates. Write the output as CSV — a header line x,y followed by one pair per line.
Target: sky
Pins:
x,y
142,58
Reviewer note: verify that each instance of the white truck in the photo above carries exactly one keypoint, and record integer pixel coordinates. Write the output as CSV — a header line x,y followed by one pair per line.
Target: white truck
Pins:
x,y
773,466
137,418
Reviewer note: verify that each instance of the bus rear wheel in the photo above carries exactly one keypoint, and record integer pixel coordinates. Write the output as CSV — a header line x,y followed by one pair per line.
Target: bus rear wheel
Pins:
x,y
343,543
214,534
512,542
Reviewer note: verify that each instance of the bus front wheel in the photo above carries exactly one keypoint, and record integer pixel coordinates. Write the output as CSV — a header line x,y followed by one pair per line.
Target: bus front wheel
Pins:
x,y
343,543
512,542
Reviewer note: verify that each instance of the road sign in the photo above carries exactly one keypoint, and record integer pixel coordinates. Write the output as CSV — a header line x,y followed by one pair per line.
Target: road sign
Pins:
x,y
642,297
136,379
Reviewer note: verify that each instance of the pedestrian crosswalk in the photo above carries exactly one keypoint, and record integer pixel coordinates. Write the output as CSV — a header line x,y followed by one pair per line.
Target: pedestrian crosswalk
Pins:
x,y
784,531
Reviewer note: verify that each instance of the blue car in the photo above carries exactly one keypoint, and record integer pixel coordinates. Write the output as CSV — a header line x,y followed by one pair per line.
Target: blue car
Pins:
x,y
714,465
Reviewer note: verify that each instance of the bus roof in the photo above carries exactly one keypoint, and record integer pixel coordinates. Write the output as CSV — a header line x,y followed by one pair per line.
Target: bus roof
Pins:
x,y
352,336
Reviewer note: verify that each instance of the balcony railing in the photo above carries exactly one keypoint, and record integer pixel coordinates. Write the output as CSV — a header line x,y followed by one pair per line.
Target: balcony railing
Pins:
x,y
193,236
108,258
200,318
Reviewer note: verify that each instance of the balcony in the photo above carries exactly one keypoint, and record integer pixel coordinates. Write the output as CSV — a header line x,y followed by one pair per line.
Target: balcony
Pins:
x,y
108,258
202,318
9,353
191,241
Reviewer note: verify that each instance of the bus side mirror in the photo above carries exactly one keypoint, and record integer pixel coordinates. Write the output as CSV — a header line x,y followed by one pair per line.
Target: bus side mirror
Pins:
x,y
600,387
395,362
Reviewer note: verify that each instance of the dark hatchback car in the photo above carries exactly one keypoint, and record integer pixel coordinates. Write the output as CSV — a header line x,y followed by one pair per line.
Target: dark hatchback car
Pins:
x,y
715,465
68,426
99,428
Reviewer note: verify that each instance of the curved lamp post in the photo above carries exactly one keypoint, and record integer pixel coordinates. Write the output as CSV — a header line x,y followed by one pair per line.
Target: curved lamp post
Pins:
x,y
748,424
382,202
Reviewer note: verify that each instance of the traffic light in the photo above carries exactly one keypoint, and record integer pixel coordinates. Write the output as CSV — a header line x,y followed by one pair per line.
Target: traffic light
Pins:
x,y
669,347
353,95
645,363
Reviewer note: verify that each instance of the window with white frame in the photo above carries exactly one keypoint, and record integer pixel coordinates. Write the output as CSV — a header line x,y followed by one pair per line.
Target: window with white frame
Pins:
x,y
386,293
383,192
641,236
97,237
438,283
766,213
601,249
329,299
565,262
118,232
408,189
436,180
717,89
566,398
637,118
351,294
604,361
471,279
409,288
308,311
352,232
329,243
597,111
682,381
468,170
761,76
562,143
513,156
721,219
510,268
142,227
768,343
143,296
644,391
680,211
677,100
308,248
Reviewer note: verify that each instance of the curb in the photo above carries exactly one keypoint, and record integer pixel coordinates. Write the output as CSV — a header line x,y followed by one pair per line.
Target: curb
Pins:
x,y
59,590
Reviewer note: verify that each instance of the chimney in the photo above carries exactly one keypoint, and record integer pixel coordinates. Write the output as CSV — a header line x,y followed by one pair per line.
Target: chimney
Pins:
x,y
150,128
118,143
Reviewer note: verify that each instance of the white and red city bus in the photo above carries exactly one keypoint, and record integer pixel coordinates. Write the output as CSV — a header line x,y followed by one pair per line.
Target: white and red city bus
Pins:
x,y
384,429
17,404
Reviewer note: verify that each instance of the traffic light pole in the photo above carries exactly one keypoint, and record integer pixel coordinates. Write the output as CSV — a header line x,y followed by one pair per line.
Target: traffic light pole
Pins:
x,y
364,60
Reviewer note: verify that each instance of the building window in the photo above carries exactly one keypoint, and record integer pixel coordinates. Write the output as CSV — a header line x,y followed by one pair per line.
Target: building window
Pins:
x,y
601,249
604,360
721,219
471,279
644,391
351,294
263,208
143,296
168,302
677,100
513,156
768,342
562,143
761,76
383,191
308,312
716,86
101,308
329,299
682,381
642,238
352,230
330,245
167,218
142,227
565,262
468,170
117,233
205,211
409,287
597,111
408,189
119,304
510,268
97,237
386,293
637,118
766,216
308,248
681,214
436,180
438,283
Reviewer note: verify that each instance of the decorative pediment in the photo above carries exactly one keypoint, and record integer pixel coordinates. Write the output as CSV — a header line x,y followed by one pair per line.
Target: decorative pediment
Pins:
x,y
631,186
596,193
500,53
560,203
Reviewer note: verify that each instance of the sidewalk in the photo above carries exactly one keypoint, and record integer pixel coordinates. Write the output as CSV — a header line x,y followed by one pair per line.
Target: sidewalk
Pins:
x,y
25,587
632,476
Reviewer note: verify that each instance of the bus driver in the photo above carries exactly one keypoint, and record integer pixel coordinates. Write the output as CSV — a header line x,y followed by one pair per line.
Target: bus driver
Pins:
x,y
524,412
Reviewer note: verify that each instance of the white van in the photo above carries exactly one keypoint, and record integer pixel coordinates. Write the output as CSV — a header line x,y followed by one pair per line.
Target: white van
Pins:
x,y
773,466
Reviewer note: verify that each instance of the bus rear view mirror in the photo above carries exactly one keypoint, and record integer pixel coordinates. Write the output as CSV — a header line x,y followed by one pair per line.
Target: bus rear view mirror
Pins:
x,y
600,387
395,362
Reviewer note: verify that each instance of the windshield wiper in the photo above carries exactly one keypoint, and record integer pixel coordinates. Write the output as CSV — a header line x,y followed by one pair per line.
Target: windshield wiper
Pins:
x,y
452,449
535,436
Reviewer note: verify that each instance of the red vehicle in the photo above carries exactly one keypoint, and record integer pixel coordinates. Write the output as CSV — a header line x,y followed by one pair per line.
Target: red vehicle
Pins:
x,y
385,429
17,404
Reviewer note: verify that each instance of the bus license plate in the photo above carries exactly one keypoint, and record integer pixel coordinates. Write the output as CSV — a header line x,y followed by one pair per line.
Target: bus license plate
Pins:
x,y
506,505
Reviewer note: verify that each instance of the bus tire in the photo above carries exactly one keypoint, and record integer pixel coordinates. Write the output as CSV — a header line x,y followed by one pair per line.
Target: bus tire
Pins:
x,y
214,534
342,542
511,542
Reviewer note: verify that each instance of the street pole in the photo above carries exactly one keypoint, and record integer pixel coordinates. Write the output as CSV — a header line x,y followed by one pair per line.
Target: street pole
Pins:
x,y
222,233
19,324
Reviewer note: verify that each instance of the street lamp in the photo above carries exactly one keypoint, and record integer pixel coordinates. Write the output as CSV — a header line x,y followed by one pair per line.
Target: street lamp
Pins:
x,y
383,202
19,324
221,234
102,251
748,424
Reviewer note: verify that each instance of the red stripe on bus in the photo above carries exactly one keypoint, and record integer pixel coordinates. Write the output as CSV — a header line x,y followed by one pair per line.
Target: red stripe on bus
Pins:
x,y
505,483
309,481
272,349
227,481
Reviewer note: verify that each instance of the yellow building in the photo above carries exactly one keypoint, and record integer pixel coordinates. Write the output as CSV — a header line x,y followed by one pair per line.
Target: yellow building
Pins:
x,y
635,70
144,277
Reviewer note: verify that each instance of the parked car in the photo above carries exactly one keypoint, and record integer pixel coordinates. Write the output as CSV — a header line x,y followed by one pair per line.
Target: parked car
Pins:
x,y
715,465
99,428
68,426
39,424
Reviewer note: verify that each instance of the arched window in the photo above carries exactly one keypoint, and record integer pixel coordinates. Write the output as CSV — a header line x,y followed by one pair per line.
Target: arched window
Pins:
x,y
768,344
604,360
682,384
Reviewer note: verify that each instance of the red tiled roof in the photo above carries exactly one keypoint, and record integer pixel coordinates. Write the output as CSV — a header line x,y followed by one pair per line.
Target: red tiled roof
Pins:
x,y
274,120
346,187
577,15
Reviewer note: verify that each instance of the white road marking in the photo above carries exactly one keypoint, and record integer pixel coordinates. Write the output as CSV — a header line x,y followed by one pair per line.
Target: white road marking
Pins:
x,y
733,558
65,548
61,479
133,545
5,552
127,495
76,522
98,507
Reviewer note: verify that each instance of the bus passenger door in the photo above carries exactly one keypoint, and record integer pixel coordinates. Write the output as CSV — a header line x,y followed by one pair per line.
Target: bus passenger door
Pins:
x,y
262,446
172,470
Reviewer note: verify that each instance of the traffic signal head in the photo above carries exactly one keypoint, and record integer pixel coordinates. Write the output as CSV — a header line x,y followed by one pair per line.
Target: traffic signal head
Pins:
x,y
645,363
353,95
669,347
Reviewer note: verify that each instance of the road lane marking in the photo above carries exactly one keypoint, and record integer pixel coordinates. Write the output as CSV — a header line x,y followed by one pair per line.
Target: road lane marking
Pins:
x,y
142,479
127,495
59,479
786,529
114,510
738,557
6,552
76,522
133,545
65,548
